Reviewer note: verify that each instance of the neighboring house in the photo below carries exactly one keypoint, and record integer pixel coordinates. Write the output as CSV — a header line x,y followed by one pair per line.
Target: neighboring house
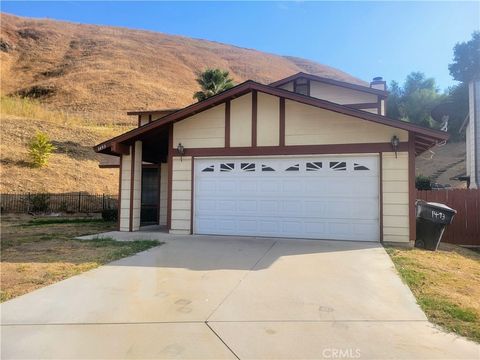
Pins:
x,y
304,157
472,135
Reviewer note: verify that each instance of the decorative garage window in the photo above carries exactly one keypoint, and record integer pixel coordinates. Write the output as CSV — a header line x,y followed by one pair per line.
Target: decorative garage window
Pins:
x,y
295,167
226,167
338,165
314,166
267,168
359,167
247,166
210,168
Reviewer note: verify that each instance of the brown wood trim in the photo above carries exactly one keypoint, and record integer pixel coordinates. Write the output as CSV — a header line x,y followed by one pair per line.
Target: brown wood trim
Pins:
x,y
149,118
361,106
119,206
379,104
170,174
120,149
282,122
132,177
380,193
411,186
295,150
250,86
139,120
325,80
159,191
308,87
254,117
227,123
192,202
294,85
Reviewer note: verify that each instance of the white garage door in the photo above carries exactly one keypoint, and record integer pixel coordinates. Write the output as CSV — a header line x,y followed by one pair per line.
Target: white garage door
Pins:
x,y
333,197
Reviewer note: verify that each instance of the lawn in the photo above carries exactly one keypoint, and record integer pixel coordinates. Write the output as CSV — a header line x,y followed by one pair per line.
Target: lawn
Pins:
x,y
36,252
446,284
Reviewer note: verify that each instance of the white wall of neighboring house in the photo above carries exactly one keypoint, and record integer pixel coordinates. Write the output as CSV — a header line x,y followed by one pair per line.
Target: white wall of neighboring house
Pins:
x,y
473,134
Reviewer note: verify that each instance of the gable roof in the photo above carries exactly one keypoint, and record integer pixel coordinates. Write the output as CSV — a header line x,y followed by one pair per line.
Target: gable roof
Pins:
x,y
329,81
429,136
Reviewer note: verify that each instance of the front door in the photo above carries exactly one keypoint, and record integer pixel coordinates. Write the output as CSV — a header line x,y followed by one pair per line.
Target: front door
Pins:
x,y
150,196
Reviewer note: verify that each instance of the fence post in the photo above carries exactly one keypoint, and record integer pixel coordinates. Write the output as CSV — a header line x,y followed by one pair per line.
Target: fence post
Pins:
x,y
103,201
79,200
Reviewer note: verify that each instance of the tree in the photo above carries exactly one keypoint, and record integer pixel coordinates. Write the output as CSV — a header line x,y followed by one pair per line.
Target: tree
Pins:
x,y
212,82
466,60
415,100
40,148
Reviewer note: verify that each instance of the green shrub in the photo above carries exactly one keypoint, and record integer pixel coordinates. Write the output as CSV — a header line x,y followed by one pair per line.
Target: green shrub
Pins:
x,y
40,148
423,183
110,214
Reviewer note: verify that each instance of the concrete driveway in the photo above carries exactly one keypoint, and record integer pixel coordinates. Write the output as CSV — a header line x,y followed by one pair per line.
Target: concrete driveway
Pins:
x,y
203,297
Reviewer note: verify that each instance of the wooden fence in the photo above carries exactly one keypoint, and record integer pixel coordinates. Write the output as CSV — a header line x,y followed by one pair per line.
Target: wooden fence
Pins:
x,y
465,229
48,203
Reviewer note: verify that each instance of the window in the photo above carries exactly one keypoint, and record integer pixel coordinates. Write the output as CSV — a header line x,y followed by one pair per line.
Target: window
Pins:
x,y
359,167
226,167
314,166
301,86
338,165
267,168
247,166
209,168
295,167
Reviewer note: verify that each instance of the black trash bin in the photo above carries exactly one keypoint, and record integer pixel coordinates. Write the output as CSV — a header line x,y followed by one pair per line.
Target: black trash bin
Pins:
x,y
432,218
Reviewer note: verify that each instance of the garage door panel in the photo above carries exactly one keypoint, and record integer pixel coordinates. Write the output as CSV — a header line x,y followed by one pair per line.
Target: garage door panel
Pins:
x,y
319,198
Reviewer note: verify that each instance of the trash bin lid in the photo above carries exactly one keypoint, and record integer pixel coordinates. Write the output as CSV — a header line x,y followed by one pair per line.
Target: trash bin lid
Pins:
x,y
443,206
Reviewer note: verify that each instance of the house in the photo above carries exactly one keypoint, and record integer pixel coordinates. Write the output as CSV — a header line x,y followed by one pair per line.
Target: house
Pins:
x,y
472,135
303,157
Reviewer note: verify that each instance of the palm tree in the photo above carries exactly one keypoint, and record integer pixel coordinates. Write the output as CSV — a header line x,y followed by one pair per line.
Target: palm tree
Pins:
x,y
212,82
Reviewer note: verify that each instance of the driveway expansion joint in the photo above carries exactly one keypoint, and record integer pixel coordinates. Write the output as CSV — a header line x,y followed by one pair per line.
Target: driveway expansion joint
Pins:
x,y
223,341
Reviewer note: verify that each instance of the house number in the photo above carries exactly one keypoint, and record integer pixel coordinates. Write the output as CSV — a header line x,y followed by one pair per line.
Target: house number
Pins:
x,y
438,215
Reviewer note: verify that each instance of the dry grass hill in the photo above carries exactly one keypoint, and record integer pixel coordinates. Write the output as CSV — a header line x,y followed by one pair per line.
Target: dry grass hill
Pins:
x,y
104,71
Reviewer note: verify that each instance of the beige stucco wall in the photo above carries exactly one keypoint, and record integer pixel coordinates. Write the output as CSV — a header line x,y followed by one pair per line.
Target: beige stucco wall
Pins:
x,y
143,119
395,197
340,95
307,125
203,130
241,121
181,195
268,123
163,194
126,186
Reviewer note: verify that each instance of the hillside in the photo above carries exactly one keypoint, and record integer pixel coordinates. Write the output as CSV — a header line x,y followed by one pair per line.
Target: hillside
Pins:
x,y
73,166
102,71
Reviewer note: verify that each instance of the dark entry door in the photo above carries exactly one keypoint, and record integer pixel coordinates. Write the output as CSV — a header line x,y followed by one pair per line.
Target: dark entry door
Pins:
x,y
150,196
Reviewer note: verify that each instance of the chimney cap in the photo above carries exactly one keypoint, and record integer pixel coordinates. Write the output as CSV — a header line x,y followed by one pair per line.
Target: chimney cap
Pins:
x,y
378,78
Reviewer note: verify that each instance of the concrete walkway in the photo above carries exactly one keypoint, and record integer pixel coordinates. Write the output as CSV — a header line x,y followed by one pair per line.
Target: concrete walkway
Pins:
x,y
203,297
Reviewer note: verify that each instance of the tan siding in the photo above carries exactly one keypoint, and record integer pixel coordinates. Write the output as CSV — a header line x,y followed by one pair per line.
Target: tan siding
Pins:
x,y
288,86
125,193
144,119
163,193
241,121
268,120
395,197
307,125
181,195
340,95
203,130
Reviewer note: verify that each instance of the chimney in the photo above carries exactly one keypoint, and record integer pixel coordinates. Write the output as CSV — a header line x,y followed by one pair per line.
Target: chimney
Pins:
x,y
378,83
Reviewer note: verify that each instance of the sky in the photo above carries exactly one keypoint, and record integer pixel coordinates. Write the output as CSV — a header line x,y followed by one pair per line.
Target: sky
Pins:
x,y
365,39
